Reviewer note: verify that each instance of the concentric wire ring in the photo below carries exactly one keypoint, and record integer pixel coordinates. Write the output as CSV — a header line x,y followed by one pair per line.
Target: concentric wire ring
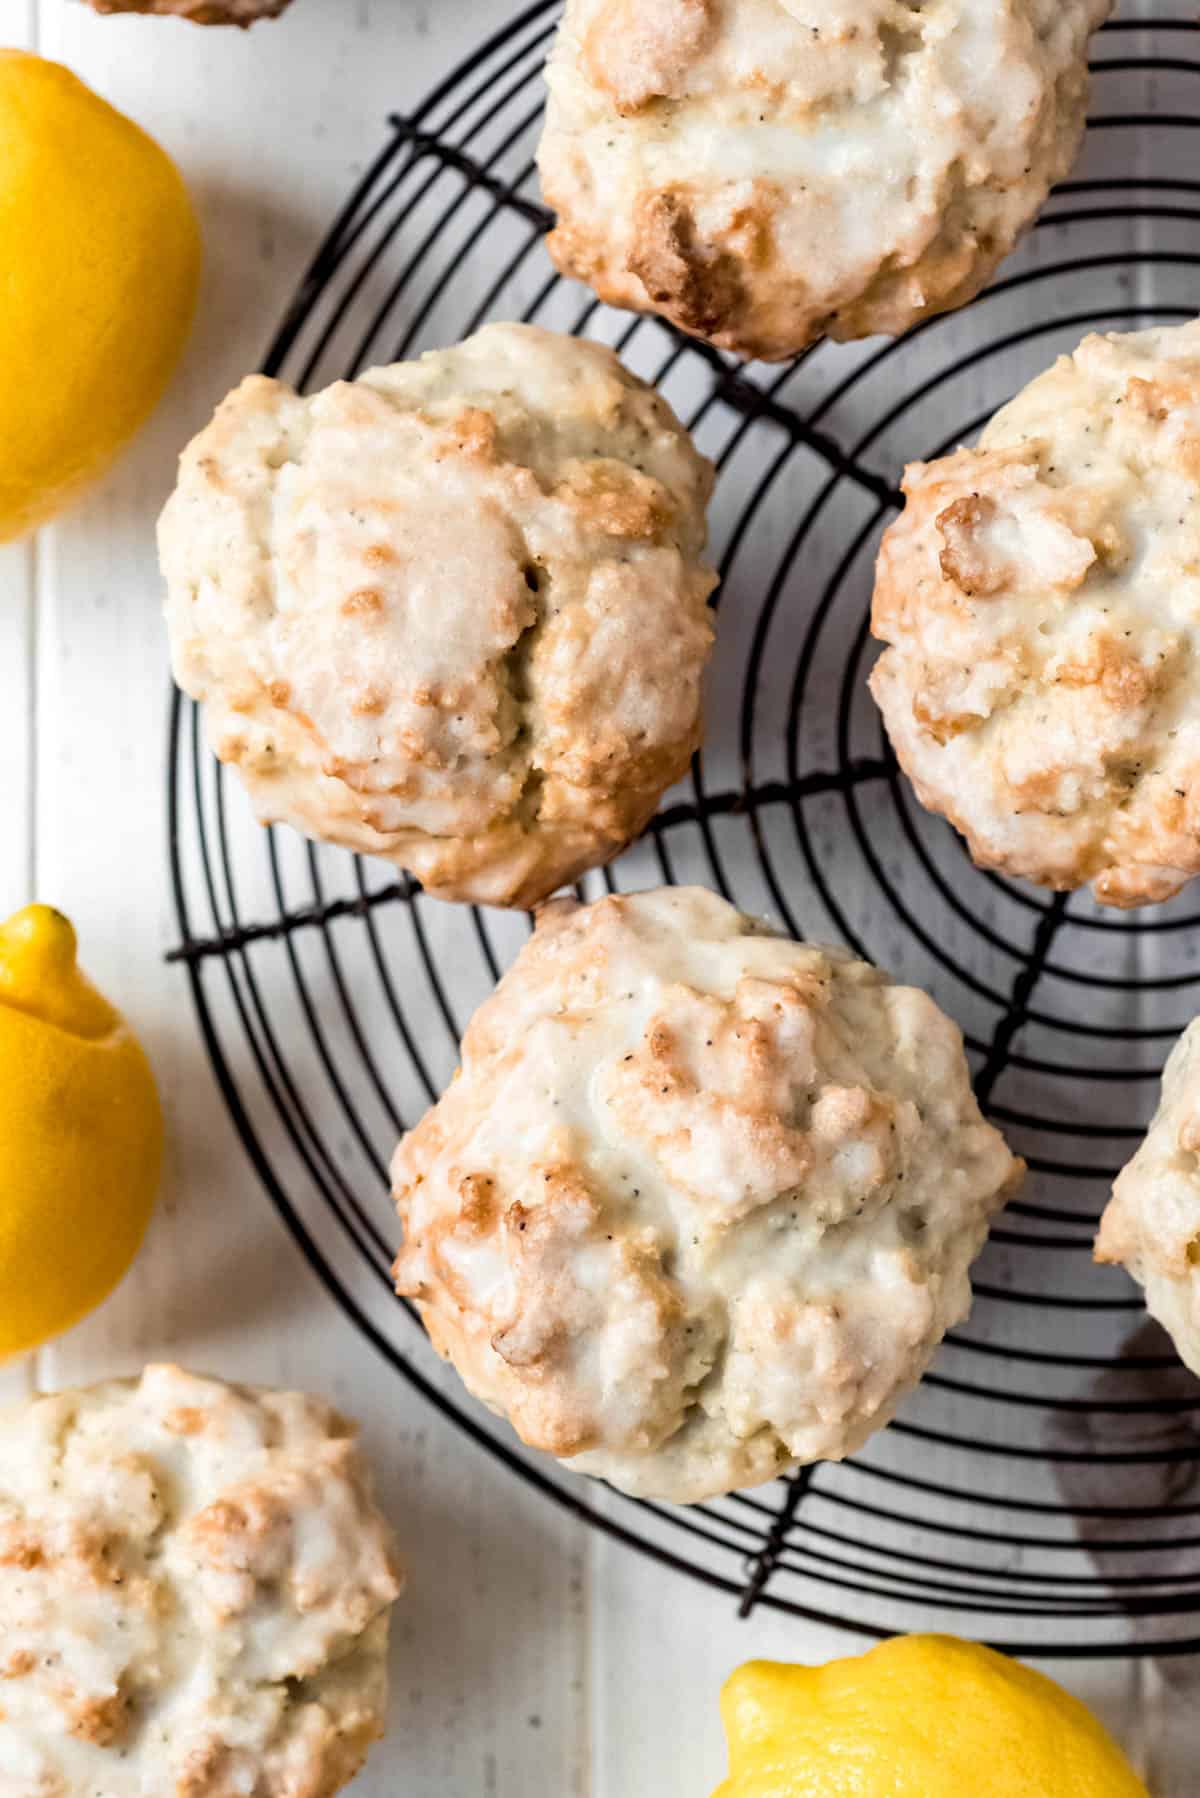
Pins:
x,y
1042,1489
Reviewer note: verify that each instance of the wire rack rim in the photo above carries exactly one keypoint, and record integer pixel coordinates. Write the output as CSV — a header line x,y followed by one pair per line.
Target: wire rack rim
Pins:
x,y
413,139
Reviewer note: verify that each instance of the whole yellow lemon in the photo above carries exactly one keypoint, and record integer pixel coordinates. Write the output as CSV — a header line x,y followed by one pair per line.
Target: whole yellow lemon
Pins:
x,y
81,1135
99,269
917,1717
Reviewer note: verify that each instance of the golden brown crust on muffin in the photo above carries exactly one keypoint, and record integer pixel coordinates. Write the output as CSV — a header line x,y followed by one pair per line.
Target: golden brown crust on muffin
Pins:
x,y
199,12
452,613
701,1201
194,1584
763,171
638,53
1040,595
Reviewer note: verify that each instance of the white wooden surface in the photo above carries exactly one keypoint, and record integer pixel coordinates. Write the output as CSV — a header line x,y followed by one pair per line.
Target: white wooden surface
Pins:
x,y
532,1657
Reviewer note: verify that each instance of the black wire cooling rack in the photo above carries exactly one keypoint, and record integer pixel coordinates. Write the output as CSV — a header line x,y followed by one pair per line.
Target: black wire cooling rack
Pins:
x,y
1042,1488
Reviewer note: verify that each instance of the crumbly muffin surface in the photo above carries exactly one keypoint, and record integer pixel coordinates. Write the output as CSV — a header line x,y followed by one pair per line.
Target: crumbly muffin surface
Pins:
x,y
194,1594
764,171
1041,598
702,1201
1152,1222
452,613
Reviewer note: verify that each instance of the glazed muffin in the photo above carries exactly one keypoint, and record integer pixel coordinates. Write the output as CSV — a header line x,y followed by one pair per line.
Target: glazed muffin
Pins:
x,y
452,613
1152,1222
200,12
1040,596
762,172
701,1201
194,1586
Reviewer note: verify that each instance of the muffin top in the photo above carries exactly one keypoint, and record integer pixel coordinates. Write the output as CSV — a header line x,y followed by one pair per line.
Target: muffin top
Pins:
x,y
1151,1225
194,1587
200,12
452,613
1041,597
761,172
701,1201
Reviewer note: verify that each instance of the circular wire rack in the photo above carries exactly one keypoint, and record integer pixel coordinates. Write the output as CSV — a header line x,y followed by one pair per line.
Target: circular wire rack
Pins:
x,y
1041,1489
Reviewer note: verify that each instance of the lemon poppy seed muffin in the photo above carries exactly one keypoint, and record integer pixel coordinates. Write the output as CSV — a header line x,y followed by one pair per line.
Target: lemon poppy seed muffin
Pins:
x,y
194,1590
701,1202
761,172
1040,596
453,613
1151,1225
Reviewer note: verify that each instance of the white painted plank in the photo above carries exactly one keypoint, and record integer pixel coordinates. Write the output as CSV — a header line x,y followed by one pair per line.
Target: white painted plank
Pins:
x,y
19,24
271,129
18,636
18,743
514,1614
18,641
